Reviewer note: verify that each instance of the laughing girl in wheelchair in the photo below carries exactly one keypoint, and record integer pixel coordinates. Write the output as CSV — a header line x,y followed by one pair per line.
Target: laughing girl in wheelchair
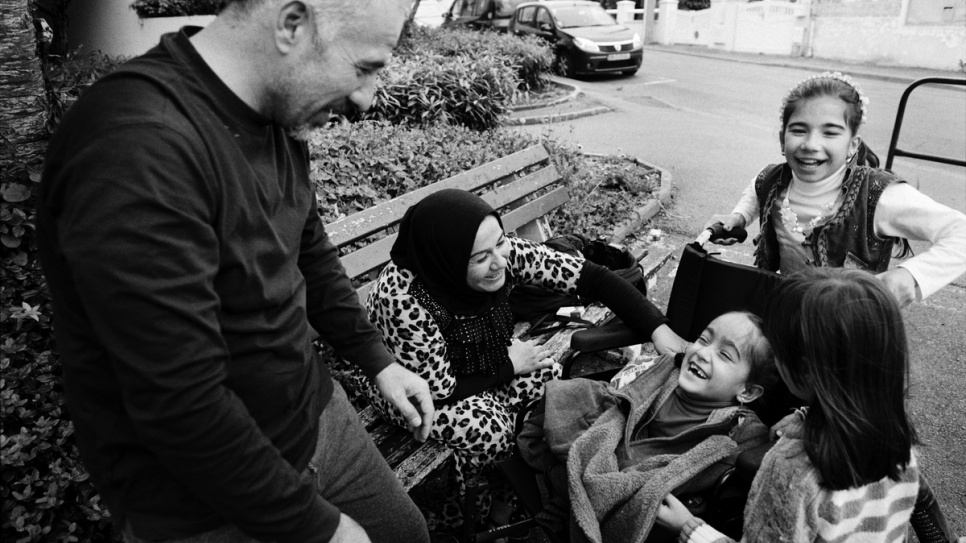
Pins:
x,y
846,466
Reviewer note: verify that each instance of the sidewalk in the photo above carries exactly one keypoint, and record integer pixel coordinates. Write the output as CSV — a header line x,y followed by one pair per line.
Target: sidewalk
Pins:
x,y
896,74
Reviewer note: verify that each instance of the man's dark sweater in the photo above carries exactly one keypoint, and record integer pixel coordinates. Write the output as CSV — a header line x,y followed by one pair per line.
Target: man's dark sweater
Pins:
x,y
179,234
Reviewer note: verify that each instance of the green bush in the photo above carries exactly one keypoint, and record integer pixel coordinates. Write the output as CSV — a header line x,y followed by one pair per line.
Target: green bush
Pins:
x,y
529,57
176,8
423,89
355,166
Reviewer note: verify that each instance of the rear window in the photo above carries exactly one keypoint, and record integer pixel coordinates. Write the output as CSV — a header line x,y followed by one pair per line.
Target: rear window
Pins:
x,y
504,8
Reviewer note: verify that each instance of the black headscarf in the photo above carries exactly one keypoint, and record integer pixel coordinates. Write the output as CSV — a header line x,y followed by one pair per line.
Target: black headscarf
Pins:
x,y
436,236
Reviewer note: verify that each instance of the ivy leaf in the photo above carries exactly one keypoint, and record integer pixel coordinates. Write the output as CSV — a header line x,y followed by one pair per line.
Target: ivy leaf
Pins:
x,y
15,192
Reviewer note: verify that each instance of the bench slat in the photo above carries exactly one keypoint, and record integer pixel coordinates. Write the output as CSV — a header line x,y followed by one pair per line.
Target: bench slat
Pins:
x,y
381,216
535,209
409,459
376,254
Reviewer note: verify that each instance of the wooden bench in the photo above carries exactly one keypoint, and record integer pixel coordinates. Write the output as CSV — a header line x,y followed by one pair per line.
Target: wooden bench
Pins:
x,y
524,187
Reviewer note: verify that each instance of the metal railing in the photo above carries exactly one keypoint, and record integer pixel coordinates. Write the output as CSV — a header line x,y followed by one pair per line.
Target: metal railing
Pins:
x,y
894,151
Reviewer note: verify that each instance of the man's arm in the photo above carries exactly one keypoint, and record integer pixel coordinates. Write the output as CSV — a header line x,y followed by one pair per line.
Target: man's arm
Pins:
x,y
334,310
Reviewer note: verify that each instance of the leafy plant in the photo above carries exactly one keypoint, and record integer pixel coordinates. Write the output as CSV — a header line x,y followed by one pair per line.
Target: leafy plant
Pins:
x,y
422,90
176,8
529,57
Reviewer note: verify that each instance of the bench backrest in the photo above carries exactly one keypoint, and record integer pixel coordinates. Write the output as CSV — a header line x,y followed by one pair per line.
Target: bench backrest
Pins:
x,y
523,187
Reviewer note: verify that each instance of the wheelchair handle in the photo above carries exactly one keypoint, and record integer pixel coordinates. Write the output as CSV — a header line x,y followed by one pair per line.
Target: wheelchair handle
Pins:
x,y
716,231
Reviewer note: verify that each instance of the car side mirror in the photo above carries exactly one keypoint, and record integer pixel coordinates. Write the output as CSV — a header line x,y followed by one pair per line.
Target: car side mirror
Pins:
x,y
546,27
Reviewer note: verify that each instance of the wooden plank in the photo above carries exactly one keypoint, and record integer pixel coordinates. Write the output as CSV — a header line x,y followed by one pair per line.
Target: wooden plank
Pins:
x,y
535,209
376,254
368,258
380,216
515,190
409,459
424,461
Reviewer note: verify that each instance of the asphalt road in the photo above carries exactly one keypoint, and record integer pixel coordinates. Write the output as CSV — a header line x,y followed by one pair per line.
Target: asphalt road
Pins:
x,y
713,124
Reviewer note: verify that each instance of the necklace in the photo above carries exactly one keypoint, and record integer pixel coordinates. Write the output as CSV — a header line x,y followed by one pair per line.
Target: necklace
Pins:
x,y
790,218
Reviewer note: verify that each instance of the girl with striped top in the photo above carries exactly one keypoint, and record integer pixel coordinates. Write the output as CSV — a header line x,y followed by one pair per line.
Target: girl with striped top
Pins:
x,y
845,470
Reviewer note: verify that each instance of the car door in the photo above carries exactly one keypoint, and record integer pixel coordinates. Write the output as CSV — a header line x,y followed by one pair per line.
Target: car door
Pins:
x,y
544,25
522,24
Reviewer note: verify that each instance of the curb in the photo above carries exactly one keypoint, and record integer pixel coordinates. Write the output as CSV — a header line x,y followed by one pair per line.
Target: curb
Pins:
x,y
556,117
548,118
649,209
853,70
572,95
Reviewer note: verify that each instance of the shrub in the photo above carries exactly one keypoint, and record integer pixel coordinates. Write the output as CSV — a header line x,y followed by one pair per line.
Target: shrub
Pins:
x,y
529,57
176,8
355,166
423,89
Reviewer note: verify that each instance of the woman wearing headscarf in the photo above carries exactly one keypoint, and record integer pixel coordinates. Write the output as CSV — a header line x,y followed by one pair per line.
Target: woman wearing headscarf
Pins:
x,y
442,307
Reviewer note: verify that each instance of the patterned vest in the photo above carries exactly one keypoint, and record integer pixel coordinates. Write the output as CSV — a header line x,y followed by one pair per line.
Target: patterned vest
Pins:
x,y
848,239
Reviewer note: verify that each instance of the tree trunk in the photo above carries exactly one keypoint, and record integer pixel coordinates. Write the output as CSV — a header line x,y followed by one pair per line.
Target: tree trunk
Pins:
x,y
409,19
23,115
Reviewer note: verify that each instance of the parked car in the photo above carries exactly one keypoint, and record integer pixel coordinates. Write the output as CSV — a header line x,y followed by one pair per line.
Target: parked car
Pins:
x,y
481,14
585,38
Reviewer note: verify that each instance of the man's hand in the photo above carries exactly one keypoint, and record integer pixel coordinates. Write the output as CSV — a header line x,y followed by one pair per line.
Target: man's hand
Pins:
x,y
901,284
672,513
349,531
666,341
410,394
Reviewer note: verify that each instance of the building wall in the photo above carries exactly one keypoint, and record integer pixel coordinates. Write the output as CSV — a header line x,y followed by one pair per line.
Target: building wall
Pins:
x,y
112,27
880,31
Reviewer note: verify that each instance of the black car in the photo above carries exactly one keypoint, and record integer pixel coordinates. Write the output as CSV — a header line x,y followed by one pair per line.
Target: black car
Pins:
x,y
480,14
586,39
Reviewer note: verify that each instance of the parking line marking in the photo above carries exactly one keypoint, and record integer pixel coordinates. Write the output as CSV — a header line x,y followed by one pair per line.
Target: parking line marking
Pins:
x,y
658,82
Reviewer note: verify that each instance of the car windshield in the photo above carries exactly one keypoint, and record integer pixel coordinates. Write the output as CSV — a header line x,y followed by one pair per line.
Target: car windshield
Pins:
x,y
570,17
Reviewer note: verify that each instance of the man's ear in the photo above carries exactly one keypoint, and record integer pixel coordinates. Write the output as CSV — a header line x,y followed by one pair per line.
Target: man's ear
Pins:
x,y
750,393
293,24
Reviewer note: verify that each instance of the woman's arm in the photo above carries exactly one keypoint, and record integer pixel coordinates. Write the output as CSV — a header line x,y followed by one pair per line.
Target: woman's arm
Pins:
x,y
540,265
410,332
905,212
629,304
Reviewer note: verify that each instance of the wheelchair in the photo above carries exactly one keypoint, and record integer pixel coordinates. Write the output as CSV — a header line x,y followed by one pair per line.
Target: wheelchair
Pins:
x,y
704,287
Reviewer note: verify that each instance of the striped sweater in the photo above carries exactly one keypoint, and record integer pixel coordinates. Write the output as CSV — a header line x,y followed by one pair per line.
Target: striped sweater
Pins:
x,y
787,503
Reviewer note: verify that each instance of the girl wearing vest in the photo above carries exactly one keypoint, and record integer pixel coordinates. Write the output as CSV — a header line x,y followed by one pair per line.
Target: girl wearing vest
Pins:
x,y
828,205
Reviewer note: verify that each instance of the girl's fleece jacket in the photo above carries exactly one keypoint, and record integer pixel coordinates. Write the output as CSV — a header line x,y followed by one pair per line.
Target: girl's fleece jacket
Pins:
x,y
616,482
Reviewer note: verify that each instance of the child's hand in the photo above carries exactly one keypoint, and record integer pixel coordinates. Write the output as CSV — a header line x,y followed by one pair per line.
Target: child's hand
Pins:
x,y
728,222
672,514
781,426
901,284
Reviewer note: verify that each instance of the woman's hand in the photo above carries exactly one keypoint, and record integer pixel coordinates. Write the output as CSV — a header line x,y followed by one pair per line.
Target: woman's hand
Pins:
x,y
528,357
672,514
666,341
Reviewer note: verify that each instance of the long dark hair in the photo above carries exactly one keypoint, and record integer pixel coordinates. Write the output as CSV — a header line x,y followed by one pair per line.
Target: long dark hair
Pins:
x,y
838,334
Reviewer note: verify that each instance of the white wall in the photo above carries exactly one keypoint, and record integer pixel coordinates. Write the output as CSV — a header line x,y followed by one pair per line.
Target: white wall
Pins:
x,y
112,27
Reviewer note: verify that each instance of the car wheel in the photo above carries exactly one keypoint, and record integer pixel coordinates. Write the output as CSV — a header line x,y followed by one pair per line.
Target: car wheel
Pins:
x,y
565,66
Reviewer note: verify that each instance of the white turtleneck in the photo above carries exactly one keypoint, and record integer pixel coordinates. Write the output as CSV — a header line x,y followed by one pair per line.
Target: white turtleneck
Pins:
x,y
902,212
